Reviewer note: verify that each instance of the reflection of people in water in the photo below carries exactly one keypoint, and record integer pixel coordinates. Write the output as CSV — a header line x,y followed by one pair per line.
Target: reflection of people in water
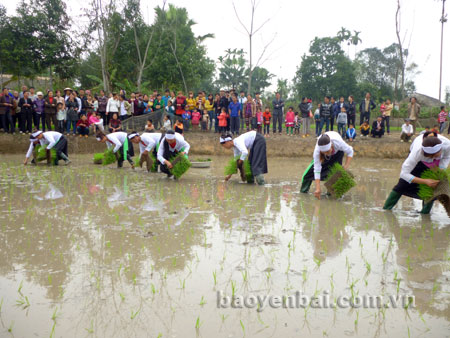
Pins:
x,y
328,237
329,149
433,153
421,247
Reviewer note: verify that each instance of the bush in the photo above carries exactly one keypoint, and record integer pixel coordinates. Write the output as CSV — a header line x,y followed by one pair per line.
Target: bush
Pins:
x,y
344,183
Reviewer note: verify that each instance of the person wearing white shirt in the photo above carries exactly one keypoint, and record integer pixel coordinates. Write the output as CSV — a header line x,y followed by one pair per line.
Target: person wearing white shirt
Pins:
x,y
432,152
112,107
118,142
249,142
171,144
52,139
148,143
407,131
330,149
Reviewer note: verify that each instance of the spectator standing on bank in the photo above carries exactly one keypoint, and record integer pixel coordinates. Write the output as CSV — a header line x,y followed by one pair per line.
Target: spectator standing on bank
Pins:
x,y
277,113
365,108
413,112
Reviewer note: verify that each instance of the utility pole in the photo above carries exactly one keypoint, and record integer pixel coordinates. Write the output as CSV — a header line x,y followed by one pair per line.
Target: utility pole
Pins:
x,y
443,20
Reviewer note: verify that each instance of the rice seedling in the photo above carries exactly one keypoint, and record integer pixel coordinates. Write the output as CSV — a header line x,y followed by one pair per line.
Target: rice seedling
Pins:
x,y
341,183
134,314
215,277
10,327
1,305
52,332
98,158
425,192
233,288
202,301
109,157
181,165
243,327
198,323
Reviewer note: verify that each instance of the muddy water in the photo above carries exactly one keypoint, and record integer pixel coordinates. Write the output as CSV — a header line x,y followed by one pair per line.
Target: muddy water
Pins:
x,y
93,251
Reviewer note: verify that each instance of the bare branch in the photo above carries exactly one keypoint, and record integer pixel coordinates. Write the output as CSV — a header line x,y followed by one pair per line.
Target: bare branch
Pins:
x,y
258,62
262,25
239,19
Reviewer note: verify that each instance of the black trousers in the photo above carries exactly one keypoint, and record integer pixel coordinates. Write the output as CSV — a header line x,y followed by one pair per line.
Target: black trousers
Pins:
x,y
308,176
258,156
351,120
410,189
277,119
38,118
167,154
129,155
363,117
7,122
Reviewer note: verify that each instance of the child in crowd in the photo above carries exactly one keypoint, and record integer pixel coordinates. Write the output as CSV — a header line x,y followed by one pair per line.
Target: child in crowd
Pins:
x,y
178,127
83,126
297,123
442,118
96,122
383,109
186,119
351,133
115,124
205,120
223,120
435,129
365,129
342,121
266,117
289,121
167,124
317,120
259,121
149,127
61,116
195,119
407,131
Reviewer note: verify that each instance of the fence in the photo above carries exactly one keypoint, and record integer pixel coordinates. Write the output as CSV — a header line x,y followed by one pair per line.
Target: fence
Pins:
x,y
138,123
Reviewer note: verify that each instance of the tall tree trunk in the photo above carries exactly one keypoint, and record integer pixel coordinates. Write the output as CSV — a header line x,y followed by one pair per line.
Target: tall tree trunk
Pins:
x,y
50,71
402,62
443,20
250,68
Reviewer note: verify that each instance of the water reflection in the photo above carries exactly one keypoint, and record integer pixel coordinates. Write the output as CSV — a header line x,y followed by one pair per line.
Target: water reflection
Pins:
x,y
105,243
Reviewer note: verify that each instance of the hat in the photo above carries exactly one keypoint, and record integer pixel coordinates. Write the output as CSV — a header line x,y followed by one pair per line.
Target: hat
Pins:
x,y
39,94
407,120
132,135
66,89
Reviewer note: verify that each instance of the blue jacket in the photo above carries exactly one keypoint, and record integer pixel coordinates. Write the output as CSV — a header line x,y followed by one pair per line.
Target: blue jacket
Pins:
x,y
234,109
351,133
337,108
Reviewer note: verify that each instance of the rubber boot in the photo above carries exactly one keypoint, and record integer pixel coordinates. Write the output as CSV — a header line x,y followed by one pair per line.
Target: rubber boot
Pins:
x,y
64,157
392,200
260,179
426,208
305,186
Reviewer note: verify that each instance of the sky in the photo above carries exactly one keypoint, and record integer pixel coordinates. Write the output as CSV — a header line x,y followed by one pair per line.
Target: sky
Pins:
x,y
294,23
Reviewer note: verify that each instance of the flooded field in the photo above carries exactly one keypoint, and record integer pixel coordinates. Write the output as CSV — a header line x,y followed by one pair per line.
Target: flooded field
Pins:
x,y
94,251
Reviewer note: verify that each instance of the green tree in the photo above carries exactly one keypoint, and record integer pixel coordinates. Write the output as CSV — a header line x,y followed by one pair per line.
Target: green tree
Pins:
x,y
180,61
260,79
232,68
325,71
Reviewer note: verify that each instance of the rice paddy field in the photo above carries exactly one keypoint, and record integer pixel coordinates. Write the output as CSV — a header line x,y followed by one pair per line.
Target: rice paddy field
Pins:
x,y
95,251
